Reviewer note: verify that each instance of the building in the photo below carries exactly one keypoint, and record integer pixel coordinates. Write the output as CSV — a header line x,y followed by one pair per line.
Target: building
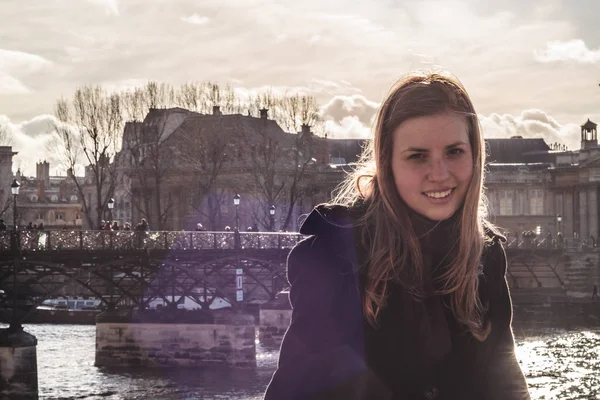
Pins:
x,y
6,178
184,168
49,200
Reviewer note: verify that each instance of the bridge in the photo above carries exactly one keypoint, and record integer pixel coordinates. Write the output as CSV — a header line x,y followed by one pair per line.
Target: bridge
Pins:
x,y
131,269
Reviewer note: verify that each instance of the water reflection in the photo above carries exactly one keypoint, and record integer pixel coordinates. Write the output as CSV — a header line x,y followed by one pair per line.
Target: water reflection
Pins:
x,y
558,364
561,364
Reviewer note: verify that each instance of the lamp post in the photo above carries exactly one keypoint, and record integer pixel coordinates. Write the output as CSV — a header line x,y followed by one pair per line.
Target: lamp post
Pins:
x,y
236,202
14,188
236,232
559,220
272,217
111,205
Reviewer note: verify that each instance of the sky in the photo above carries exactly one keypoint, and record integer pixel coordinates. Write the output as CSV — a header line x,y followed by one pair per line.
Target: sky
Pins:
x,y
531,69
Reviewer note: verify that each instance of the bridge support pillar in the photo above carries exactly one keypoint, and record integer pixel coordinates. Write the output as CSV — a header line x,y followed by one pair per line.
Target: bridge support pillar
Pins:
x,y
18,365
274,320
148,342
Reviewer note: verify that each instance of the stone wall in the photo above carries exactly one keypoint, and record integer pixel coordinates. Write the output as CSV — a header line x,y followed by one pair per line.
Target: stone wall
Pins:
x,y
182,345
563,314
273,325
582,272
18,365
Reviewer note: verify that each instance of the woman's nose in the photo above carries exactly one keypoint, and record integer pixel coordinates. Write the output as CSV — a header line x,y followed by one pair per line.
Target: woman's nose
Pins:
x,y
439,171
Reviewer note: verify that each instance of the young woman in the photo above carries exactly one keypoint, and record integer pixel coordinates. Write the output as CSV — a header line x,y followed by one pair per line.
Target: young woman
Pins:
x,y
400,291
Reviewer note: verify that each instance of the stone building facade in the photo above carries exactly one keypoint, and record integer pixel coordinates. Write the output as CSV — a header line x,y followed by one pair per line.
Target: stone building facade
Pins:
x,y
6,177
202,161
49,200
548,191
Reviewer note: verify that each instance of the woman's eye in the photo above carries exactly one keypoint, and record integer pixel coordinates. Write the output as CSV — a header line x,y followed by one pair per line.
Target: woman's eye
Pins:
x,y
456,151
417,156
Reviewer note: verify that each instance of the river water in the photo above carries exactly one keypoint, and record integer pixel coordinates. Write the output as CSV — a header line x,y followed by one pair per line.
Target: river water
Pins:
x,y
558,364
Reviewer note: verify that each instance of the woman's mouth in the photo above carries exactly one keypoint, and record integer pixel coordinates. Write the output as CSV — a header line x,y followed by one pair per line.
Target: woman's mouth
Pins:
x,y
439,196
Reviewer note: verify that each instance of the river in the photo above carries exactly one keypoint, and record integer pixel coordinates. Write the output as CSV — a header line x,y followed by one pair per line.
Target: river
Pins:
x,y
558,364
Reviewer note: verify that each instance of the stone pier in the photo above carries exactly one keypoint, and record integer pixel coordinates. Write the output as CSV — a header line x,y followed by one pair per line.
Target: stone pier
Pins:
x,y
228,340
18,365
274,320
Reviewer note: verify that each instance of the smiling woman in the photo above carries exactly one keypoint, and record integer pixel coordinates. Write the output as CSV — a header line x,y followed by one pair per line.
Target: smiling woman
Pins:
x,y
400,290
432,163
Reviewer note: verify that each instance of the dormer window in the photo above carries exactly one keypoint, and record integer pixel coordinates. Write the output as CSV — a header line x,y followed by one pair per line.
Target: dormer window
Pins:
x,y
73,199
54,198
33,198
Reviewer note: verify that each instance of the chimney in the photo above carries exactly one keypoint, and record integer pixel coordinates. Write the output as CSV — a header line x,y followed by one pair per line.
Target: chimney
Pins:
x,y
62,191
217,110
305,130
42,171
264,113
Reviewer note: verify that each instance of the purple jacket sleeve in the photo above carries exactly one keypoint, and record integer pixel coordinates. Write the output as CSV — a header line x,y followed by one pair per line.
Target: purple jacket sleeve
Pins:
x,y
322,353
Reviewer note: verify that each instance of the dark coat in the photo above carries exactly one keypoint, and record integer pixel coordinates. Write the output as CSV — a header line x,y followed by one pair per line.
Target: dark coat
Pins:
x,y
330,351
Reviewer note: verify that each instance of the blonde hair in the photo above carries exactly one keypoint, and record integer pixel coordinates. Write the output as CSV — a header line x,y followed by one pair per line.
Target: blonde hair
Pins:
x,y
386,230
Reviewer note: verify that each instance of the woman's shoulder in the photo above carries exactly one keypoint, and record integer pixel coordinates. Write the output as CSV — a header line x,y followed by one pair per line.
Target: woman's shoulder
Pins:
x,y
493,263
330,243
326,218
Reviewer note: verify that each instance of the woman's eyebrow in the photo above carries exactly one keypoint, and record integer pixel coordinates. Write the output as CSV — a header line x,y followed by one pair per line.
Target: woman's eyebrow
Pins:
x,y
420,150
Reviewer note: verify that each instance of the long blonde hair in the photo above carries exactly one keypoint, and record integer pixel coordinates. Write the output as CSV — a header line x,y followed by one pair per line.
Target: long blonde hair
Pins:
x,y
386,230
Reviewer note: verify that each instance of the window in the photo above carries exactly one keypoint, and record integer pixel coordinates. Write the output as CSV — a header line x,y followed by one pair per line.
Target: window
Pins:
x,y
60,216
536,202
506,202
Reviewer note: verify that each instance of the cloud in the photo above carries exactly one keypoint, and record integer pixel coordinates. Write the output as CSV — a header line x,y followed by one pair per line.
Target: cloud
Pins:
x,y
14,64
31,139
349,127
357,106
111,6
532,123
573,50
196,19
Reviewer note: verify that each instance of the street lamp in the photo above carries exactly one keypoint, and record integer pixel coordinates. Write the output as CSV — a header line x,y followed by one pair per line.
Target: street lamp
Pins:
x,y
272,215
111,205
14,188
559,220
14,324
236,202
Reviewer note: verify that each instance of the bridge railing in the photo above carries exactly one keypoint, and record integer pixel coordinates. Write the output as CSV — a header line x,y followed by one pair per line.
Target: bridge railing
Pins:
x,y
51,240
553,244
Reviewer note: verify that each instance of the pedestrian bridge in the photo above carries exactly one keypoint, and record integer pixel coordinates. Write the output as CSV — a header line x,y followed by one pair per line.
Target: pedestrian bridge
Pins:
x,y
132,268
65,240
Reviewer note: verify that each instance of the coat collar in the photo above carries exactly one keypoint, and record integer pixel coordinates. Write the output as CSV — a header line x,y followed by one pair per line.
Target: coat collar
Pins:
x,y
326,218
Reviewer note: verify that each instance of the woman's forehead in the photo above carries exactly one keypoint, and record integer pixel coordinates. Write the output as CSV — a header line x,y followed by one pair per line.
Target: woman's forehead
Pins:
x,y
435,130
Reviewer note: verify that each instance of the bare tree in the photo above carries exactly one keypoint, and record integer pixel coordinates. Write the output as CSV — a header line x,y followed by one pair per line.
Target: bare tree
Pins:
x,y
150,166
90,127
281,167
5,133
206,152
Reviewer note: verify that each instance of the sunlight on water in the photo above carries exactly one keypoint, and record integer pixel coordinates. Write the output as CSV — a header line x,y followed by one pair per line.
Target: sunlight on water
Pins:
x,y
561,365
558,364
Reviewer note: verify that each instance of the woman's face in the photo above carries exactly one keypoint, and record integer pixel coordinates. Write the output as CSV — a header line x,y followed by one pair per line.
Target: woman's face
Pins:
x,y
432,163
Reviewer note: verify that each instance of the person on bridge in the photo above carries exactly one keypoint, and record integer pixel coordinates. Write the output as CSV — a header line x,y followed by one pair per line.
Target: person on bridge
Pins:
x,y
399,292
